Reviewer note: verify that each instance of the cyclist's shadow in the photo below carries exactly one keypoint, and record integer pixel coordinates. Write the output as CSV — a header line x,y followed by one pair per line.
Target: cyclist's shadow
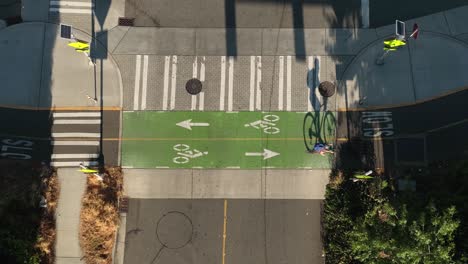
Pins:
x,y
317,128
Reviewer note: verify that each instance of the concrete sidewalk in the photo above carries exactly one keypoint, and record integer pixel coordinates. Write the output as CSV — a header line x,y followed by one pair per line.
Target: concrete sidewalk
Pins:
x,y
44,72
232,184
72,188
432,65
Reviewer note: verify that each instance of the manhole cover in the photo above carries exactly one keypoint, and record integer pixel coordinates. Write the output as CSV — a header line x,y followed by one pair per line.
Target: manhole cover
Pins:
x,y
327,89
174,230
193,86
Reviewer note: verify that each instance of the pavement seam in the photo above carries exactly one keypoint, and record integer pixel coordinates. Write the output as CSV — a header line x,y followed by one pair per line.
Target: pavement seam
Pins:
x,y
446,21
116,46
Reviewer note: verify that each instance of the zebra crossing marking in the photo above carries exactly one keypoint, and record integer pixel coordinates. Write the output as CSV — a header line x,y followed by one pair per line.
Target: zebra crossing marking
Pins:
x,y
71,7
288,83
170,69
73,163
201,95
76,114
75,156
75,135
252,100
281,83
230,82
77,121
74,143
173,81
144,83
64,159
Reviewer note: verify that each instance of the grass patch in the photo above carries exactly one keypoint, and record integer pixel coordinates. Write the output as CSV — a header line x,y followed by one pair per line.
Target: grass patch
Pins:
x,y
27,231
99,217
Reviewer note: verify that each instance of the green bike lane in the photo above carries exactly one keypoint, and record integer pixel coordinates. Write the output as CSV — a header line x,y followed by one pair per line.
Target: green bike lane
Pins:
x,y
244,140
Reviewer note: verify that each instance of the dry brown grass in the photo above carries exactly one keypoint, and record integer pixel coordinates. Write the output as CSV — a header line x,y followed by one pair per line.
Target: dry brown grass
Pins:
x,y
99,218
47,231
22,183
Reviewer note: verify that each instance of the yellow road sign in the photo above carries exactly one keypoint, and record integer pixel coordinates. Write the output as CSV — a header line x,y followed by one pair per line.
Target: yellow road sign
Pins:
x,y
393,44
79,45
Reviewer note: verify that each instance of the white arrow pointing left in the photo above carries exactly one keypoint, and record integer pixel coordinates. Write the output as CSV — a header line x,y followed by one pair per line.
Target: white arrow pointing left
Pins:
x,y
266,154
188,124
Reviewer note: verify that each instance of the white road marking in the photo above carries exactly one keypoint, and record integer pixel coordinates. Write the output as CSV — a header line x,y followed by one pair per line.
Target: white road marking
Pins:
x,y
74,156
195,68
258,84
76,114
202,70
281,83
136,91
222,84
317,73
73,163
70,10
71,3
76,121
230,82
252,83
365,13
310,66
288,83
144,83
74,143
266,154
201,104
194,102
173,81
78,135
166,81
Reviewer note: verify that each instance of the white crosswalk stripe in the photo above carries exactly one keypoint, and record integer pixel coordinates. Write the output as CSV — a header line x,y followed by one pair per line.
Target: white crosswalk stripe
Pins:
x,y
200,98
141,80
71,7
75,138
243,83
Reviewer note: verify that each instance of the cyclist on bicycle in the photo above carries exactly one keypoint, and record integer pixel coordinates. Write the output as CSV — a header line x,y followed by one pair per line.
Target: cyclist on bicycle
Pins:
x,y
322,148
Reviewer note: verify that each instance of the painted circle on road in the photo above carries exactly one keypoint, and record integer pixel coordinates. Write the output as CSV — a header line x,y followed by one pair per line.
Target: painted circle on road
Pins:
x,y
174,230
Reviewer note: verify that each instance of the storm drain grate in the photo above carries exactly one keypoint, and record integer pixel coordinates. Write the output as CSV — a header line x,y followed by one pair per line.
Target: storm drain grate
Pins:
x,y
126,21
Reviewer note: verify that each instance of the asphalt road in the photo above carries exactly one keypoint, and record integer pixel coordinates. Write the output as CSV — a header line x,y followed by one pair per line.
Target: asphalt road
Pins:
x,y
245,13
26,134
415,134
223,231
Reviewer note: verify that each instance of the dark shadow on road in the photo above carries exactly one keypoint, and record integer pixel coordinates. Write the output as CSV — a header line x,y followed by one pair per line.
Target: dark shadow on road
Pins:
x,y
298,25
230,22
318,127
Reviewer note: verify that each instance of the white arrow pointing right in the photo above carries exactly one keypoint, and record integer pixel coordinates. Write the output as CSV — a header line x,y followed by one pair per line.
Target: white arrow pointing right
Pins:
x,y
266,154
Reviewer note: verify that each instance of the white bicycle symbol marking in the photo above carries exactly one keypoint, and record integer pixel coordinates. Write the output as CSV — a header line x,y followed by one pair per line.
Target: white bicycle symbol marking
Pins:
x,y
185,153
268,124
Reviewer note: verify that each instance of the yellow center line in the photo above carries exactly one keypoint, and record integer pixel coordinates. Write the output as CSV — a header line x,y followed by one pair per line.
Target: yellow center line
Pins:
x,y
224,230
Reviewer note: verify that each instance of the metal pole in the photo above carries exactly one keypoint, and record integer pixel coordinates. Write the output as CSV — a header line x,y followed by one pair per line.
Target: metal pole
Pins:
x,y
381,60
